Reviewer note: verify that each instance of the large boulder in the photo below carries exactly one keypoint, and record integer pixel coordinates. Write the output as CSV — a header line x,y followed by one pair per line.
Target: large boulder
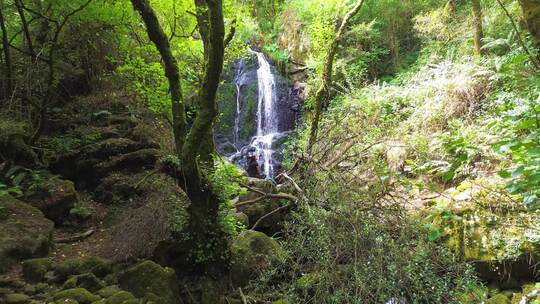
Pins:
x,y
54,196
252,252
34,270
480,223
149,277
24,232
81,295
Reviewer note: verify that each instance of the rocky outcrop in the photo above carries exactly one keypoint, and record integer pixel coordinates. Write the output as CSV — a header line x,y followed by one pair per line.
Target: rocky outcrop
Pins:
x,y
55,197
24,232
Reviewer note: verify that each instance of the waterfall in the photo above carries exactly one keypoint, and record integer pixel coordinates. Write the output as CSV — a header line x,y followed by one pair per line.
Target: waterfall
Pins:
x,y
267,124
238,81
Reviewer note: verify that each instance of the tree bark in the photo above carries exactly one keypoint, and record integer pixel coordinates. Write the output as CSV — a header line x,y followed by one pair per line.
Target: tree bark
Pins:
x,y
531,14
160,40
204,229
478,31
8,65
323,93
204,205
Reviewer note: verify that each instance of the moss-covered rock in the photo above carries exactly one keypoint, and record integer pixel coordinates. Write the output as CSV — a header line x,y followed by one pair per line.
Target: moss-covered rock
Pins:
x,y
16,298
252,251
96,265
34,270
67,301
12,143
149,277
281,301
54,197
120,297
499,299
80,295
108,291
26,233
87,281
478,222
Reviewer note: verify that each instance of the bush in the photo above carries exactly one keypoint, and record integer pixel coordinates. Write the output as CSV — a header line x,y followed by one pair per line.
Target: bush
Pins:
x,y
348,256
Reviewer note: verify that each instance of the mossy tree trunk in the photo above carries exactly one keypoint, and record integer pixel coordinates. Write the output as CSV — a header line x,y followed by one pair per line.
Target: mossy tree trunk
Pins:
x,y
193,147
478,30
323,93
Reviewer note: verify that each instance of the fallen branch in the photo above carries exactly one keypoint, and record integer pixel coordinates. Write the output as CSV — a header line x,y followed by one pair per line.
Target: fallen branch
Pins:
x,y
75,238
269,214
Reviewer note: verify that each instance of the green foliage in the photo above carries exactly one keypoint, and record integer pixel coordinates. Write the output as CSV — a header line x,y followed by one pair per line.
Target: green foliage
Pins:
x,y
147,81
460,148
226,179
333,252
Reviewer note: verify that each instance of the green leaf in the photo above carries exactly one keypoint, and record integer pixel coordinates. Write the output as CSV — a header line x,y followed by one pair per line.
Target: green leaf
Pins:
x,y
435,234
504,174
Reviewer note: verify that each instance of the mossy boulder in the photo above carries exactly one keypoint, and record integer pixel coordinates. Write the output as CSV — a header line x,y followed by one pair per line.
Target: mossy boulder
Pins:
x,y
54,197
95,265
34,270
499,299
67,301
16,298
108,291
87,281
478,222
80,295
120,297
13,146
24,234
252,252
149,277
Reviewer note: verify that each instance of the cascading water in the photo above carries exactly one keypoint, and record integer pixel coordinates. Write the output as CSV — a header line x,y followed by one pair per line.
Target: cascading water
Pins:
x,y
267,124
264,110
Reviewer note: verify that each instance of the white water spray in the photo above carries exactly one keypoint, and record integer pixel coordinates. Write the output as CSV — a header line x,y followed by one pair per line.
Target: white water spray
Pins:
x,y
267,124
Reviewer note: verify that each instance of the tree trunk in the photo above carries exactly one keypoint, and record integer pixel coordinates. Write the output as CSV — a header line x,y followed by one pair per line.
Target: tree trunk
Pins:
x,y
323,93
8,66
204,231
478,31
531,13
26,29
161,41
204,207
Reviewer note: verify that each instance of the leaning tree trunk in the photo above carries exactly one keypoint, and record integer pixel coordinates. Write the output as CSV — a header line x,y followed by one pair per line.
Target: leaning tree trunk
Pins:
x,y
8,66
531,13
161,41
478,31
204,231
323,93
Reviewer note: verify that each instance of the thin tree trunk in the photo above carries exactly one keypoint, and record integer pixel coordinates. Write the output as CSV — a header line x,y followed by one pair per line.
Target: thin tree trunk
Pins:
x,y
8,65
160,40
26,29
323,93
478,31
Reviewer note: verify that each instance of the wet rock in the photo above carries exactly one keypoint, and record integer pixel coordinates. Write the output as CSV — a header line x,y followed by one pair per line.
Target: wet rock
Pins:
x,y
150,277
80,295
54,197
24,234
34,270
16,298
252,251
95,265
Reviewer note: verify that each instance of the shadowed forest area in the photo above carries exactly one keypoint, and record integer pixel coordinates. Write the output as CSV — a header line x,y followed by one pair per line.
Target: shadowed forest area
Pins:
x,y
269,151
